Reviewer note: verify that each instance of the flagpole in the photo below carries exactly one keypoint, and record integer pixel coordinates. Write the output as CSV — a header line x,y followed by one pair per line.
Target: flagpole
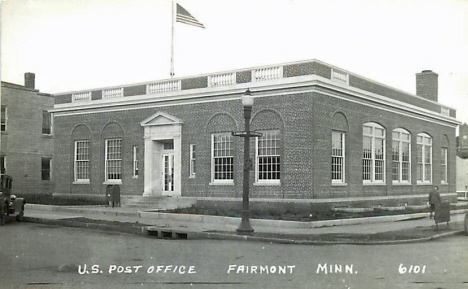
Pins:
x,y
172,36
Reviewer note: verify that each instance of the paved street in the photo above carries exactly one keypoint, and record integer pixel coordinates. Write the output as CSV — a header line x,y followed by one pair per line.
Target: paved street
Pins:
x,y
40,256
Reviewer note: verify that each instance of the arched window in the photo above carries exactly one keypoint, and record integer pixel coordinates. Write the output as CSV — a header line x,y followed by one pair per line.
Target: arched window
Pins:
x,y
81,147
373,160
424,158
401,156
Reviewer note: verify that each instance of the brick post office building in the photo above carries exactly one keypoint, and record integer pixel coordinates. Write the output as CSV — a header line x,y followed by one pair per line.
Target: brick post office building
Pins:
x,y
327,134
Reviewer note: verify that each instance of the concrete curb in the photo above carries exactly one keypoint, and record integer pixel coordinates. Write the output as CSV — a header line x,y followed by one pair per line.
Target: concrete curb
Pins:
x,y
170,233
138,230
222,236
234,220
76,210
285,224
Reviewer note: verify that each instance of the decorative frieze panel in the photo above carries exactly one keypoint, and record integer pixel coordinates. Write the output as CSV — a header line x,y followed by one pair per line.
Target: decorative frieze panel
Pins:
x,y
267,73
340,76
112,93
222,79
166,86
81,96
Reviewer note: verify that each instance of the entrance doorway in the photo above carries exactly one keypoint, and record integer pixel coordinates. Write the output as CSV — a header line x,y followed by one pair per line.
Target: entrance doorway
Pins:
x,y
162,155
168,171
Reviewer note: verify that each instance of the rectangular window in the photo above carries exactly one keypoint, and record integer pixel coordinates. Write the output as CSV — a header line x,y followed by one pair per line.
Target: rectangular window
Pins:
x,y
81,160
268,157
113,160
338,153
443,165
379,160
401,147
395,160
424,158
46,122
193,150
135,161
45,168
222,163
367,158
4,118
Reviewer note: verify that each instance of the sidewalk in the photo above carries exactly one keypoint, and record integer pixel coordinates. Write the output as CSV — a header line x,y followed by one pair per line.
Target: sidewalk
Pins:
x,y
374,230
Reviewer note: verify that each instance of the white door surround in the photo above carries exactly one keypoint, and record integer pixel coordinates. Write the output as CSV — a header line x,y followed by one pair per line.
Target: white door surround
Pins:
x,y
161,128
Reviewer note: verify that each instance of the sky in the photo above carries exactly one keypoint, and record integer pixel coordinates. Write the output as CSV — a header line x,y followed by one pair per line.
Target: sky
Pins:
x,y
85,44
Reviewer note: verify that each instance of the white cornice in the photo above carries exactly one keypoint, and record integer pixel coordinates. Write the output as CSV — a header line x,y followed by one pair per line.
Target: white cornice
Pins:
x,y
300,84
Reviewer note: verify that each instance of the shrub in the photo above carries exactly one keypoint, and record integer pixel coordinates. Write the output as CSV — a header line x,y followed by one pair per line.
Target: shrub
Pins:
x,y
64,200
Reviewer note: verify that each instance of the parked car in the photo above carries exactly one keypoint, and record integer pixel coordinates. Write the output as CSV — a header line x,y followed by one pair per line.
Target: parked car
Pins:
x,y
11,207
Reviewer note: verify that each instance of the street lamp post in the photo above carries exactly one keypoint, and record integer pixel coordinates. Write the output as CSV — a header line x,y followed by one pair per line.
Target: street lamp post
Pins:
x,y
247,102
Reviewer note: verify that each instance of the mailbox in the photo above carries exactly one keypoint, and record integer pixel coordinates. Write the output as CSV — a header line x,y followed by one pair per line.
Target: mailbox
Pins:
x,y
116,195
113,195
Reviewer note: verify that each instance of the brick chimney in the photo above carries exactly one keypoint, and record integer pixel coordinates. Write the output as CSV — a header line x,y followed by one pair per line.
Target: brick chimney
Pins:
x,y
29,80
427,85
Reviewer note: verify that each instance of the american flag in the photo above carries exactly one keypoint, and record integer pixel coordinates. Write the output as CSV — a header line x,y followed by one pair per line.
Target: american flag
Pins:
x,y
183,16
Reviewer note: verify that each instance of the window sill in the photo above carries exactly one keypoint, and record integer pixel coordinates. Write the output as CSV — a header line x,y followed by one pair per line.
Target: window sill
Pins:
x,y
47,136
192,177
135,177
339,184
4,132
424,183
444,184
81,182
374,184
401,183
231,183
265,184
112,183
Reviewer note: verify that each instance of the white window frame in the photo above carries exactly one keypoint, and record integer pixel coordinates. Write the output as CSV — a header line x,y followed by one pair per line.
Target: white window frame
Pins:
x,y
421,139
444,165
75,162
5,123
342,136
136,170
400,161
106,161
213,174
193,151
373,159
258,156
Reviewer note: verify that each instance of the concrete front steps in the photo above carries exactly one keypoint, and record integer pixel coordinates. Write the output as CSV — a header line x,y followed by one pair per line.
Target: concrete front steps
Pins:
x,y
157,203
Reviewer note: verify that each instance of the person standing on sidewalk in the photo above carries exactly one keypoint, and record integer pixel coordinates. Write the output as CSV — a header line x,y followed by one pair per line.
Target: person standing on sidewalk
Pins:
x,y
434,199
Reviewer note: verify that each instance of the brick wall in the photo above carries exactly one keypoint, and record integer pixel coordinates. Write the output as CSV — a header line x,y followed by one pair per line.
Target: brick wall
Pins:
x,y
357,115
23,143
305,121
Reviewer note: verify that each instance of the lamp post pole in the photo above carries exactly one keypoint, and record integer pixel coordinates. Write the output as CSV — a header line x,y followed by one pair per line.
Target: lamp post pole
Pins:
x,y
245,228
